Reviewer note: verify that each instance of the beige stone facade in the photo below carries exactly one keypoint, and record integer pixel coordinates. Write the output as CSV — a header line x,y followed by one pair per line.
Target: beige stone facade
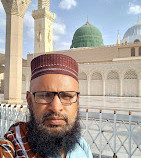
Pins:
x,y
105,71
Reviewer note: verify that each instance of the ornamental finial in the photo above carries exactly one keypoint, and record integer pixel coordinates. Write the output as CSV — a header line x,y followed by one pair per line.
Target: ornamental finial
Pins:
x,y
87,20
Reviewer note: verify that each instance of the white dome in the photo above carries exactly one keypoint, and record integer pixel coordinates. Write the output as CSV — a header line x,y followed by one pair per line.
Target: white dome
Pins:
x,y
133,34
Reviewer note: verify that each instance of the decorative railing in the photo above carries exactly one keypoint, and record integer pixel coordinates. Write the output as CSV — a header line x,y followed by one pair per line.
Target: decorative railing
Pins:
x,y
9,114
109,133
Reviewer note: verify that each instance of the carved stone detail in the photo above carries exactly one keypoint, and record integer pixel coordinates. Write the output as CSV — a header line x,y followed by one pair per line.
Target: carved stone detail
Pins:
x,y
43,13
44,4
49,34
16,7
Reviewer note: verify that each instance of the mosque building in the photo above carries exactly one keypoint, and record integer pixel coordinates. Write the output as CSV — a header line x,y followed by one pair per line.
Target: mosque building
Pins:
x,y
113,70
104,70
107,70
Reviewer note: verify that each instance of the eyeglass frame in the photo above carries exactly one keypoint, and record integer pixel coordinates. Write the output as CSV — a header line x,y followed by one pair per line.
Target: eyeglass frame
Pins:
x,y
55,93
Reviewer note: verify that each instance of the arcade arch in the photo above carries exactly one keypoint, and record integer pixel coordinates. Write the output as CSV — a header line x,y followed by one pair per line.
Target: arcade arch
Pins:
x,y
96,84
136,41
113,83
130,83
83,84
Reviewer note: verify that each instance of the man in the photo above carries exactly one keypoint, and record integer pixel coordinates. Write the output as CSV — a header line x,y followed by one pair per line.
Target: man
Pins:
x,y
53,129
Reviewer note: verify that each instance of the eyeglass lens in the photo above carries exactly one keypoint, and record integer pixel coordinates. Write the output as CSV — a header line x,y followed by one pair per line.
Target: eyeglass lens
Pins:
x,y
47,97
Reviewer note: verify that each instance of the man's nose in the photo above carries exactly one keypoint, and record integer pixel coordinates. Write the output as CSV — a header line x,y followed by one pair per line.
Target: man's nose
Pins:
x,y
56,105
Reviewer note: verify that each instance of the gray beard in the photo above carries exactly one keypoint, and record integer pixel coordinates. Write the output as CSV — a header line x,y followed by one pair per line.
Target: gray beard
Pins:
x,y
48,144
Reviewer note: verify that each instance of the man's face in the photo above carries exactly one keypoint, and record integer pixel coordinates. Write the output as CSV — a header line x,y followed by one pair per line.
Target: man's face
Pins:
x,y
64,116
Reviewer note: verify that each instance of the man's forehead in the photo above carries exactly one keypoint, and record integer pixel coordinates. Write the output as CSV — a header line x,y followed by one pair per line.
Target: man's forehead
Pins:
x,y
55,82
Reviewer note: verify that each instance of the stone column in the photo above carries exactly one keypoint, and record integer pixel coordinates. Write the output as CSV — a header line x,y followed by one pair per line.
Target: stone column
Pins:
x,y
103,87
136,51
89,85
15,10
139,87
121,88
27,83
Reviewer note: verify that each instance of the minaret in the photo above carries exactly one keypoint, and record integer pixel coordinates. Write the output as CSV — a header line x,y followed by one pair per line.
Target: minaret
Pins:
x,y
44,4
87,20
118,40
15,10
43,28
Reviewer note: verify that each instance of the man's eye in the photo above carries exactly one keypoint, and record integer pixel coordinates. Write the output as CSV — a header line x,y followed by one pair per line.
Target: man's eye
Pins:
x,y
66,96
48,95
41,96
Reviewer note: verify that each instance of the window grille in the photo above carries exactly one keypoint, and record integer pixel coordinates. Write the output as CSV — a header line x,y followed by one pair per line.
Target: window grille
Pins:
x,y
130,75
96,76
137,41
139,51
113,75
132,51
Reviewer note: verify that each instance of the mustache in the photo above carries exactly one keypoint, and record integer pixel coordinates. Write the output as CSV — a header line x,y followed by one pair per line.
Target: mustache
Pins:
x,y
52,114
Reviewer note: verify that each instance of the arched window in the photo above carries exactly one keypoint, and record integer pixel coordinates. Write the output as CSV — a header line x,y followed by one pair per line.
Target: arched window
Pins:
x,y
130,75
96,76
139,51
137,41
132,52
112,75
82,76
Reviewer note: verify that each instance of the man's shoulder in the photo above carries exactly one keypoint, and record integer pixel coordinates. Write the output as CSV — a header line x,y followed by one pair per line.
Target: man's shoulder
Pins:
x,y
7,146
21,126
83,143
11,133
82,149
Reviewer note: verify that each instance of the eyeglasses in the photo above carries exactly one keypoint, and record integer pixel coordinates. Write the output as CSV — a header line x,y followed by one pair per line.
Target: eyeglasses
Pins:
x,y
46,97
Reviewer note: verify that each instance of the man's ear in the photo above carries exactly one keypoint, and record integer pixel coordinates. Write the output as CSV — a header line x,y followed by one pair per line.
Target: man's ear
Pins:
x,y
28,98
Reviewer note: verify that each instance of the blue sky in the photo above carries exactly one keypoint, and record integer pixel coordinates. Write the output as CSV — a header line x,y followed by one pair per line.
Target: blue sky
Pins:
x,y
109,16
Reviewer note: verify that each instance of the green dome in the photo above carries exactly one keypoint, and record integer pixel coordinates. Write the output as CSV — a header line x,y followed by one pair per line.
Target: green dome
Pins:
x,y
87,36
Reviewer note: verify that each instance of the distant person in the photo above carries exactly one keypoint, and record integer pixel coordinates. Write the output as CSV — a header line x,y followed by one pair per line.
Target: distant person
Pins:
x,y
53,129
